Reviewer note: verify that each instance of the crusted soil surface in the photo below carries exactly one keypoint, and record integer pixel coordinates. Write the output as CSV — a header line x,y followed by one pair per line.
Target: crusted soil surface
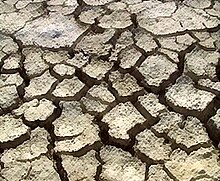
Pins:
x,y
109,90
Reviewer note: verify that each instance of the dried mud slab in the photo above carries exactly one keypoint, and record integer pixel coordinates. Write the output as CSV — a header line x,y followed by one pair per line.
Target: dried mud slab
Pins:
x,y
30,149
202,63
11,128
119,165
81,168
61,31
121,119
163,18
96,44
35,110
184,94
189,132
124,84
157,172
199,165
128,57
28,160
156,69
32,66
9,96
40,85
109,90
97,68
97,2
151,103
98,98
151,146
68,87
214,126
77,127
117,19
39,169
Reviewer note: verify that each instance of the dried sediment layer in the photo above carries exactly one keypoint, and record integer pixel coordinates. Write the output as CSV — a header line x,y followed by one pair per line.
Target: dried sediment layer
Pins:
x,y
109,90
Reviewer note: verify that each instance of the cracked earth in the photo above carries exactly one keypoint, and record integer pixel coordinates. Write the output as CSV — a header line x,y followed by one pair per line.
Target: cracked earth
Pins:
x,y
109,90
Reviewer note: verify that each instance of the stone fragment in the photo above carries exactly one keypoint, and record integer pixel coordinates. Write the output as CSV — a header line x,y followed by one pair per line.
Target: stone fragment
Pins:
x,y
34,63
145,41
120,165
68,87
63,70
183,94
89,16
157,173
81,168
151,103
38,170
30,149
121,119
39,85
9,96
11,128
98,98
36,110
128,57
97,68
60,31
96,43
77,125
213,126
189,132
200,164
97,2
156,69
152,146
202,63
124,84
117,19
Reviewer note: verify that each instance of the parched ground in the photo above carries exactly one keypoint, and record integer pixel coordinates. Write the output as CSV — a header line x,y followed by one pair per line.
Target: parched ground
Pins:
x,y
109,90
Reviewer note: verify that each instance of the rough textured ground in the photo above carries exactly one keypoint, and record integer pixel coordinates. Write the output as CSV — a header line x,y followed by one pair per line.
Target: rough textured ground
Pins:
x,y
109,90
